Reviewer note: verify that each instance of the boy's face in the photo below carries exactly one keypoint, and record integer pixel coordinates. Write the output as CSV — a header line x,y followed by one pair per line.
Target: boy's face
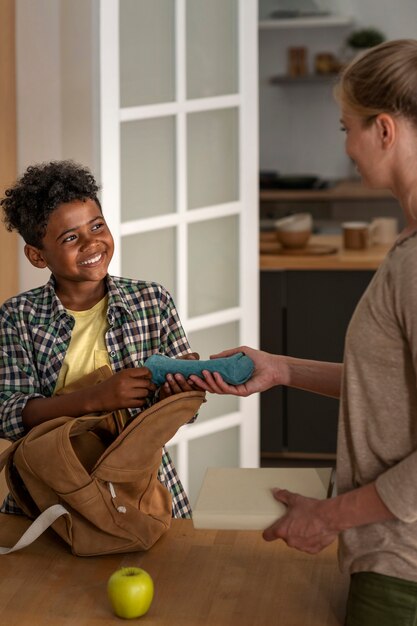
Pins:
x,y
78,246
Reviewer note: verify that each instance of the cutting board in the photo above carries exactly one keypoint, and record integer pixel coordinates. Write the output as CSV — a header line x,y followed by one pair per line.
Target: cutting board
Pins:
x,y
241,498
311,249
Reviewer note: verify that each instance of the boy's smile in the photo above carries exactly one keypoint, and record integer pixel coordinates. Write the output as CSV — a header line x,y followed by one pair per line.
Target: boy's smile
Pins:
x,y
77,248
93,261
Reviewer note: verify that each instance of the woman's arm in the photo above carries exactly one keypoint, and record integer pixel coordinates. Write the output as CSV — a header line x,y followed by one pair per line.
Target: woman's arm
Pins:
x,y
319,377
270,370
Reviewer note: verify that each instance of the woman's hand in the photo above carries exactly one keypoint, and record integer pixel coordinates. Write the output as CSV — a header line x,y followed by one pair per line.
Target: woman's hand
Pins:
x,y
269,371
310,525
275,369
176,383
304,526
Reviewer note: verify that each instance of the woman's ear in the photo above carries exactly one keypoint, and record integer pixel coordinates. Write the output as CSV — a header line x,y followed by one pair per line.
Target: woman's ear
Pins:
x,y
35,256
387,130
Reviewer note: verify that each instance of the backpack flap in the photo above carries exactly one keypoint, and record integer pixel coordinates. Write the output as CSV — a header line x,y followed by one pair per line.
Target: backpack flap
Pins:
x,y
141,442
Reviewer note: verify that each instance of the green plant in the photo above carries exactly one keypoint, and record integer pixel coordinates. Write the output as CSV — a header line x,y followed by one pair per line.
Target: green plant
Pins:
x,y
365,38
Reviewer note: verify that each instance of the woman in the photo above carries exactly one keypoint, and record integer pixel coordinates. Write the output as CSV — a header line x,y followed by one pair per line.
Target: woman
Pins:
x,y
375,513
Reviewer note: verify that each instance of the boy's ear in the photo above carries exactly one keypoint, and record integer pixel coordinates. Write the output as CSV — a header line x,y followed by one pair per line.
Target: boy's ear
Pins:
x,y
35,256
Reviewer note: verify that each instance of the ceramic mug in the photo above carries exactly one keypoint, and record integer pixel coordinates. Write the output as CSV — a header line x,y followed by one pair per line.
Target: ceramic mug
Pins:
x,y
360,235
356,235
384,230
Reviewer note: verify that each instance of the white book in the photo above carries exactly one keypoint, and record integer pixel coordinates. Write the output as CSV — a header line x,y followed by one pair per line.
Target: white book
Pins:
x,y
241,498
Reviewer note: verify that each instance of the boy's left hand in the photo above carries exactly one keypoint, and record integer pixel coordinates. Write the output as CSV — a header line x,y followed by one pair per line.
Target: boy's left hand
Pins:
x,y
176,383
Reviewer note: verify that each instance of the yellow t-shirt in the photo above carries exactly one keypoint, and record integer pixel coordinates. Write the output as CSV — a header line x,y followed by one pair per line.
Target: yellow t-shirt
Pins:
x,y
87,349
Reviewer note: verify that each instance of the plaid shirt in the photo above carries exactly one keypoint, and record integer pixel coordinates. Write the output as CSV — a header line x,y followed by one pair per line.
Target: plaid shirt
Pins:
x,y
35,332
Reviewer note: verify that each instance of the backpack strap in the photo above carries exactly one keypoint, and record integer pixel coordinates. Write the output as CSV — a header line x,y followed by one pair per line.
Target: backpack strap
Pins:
x,y
16,487
41,523
35,530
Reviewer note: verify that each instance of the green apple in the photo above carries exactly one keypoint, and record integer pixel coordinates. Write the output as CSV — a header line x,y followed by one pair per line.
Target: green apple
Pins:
x,y
130,591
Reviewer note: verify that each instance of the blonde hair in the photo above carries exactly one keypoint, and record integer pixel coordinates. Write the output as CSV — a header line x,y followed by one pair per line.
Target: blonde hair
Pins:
x,y
381,80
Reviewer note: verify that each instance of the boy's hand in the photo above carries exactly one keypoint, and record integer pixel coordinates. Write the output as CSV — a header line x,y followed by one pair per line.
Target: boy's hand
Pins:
x,y
176,383
126,389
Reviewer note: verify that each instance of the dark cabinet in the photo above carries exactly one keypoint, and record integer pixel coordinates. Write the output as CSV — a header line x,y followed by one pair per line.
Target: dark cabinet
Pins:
x,y
305,314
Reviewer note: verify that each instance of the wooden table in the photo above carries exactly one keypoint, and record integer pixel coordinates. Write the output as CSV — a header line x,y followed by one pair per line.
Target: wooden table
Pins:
x,y
215,578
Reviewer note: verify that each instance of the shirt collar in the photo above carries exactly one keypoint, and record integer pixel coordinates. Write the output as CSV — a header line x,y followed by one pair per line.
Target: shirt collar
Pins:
x,y
52,309
117,300
51,306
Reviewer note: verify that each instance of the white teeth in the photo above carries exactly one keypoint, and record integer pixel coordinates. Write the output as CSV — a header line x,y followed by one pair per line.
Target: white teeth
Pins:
x,y
93,260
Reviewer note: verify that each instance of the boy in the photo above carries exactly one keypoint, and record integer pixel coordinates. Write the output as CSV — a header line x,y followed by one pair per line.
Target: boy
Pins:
x,y
82,318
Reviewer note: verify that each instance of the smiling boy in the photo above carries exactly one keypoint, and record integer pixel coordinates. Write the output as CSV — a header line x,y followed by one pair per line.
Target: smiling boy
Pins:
x,y
82,318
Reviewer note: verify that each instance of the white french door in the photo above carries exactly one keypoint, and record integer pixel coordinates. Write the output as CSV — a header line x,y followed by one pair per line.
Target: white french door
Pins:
x,y
179,164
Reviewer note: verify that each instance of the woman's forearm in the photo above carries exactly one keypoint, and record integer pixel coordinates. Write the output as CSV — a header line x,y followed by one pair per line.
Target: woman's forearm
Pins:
x,y
319,377
356,508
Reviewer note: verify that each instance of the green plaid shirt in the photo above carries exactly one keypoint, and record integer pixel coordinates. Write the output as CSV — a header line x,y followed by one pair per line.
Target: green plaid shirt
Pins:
x,y
35,332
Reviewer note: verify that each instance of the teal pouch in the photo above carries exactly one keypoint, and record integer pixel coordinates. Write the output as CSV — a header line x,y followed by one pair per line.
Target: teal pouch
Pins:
x,y
234,370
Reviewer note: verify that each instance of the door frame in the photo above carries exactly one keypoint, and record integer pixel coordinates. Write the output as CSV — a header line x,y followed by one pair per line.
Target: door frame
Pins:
x,y
8,143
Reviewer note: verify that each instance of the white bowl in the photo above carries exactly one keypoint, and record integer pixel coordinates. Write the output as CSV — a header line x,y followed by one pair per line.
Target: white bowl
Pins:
x,y
294,231
295,223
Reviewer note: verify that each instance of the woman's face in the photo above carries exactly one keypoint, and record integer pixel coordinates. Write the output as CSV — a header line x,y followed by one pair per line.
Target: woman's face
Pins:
x,y
362,145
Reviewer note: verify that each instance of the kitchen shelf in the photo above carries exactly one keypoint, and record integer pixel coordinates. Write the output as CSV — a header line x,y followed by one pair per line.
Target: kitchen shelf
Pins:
x,y
344,190
307,22
300,80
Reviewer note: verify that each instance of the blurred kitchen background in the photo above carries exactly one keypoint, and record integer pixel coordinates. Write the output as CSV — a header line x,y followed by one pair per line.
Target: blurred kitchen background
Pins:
x,y
299,129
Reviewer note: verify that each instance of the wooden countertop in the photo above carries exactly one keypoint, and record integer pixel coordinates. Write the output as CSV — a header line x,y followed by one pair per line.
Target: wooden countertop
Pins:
x,y
349,190
211,578
272,257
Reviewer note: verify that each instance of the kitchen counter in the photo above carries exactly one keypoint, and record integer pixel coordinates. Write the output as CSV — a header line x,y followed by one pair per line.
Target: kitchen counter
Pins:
x,y
211,578
273,258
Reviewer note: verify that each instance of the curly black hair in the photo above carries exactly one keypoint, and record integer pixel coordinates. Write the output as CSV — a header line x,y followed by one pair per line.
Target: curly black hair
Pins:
x,y
28,205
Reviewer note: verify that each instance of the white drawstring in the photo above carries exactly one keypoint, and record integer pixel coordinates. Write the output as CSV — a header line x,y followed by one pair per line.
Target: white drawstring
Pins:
x,y
120,509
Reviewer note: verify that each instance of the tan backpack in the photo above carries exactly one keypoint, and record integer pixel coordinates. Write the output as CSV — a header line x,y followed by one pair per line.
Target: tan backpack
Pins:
x,y
94,478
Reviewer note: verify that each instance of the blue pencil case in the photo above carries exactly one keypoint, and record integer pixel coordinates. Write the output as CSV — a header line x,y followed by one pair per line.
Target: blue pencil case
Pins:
x,y
235,369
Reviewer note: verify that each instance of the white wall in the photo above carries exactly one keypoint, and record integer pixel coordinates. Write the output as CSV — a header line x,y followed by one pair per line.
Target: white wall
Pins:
x,y
397,20
56,105
299,125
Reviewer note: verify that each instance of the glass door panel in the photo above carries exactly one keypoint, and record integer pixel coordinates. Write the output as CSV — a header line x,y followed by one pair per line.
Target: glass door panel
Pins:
x,y
147,52
213,265
213,157
151,256
147,168
212,48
